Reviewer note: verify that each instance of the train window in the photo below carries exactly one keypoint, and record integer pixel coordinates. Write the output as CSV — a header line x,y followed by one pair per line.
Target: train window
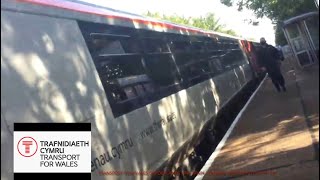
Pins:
x,y
233,58
161,69
130,92
199,46
211,44
180,46
216,53
179,43
149,87
152,45
201,66
104,46
107,45
240,56
223,45
198,43
194,67
131,45
134,69
181,60
230,60
125,81
114,69
143,33
138,67
224,60
232,55
230,45
89,28
220,45
216,66
236,45
139,89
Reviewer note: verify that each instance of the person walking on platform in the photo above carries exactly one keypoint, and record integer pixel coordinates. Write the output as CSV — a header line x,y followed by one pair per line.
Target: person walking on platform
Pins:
x,y
269,59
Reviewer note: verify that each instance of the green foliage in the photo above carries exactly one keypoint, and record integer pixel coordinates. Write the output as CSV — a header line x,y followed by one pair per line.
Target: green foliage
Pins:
x,y
276,10
208,22
279,36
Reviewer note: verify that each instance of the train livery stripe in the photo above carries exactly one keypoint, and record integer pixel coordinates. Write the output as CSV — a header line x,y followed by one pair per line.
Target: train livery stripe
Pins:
x,y
68,5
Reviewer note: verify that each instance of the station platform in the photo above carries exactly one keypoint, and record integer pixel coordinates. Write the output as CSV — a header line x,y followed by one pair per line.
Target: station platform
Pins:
x,y
277,135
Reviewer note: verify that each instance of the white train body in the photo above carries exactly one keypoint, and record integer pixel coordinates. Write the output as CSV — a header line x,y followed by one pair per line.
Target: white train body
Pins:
x,y
49,74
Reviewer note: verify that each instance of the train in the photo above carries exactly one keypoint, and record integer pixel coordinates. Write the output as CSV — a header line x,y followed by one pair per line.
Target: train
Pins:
x,y
150,89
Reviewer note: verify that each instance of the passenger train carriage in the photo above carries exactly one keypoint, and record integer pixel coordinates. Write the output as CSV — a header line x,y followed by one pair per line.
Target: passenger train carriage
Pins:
x,y
149,88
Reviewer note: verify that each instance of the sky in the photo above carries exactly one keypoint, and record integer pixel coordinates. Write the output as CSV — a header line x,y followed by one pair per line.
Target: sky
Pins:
x,y
229,16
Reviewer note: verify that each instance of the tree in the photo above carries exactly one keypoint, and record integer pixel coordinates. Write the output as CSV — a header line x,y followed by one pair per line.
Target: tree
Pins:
x,y
276,10
208,22
279,36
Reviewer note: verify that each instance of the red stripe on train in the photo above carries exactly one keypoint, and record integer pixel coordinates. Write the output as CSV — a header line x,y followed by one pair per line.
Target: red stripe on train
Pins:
x,y
101,12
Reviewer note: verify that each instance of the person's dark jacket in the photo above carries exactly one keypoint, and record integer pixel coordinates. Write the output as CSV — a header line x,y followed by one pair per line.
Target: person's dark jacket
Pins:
x,y
281,55
268,57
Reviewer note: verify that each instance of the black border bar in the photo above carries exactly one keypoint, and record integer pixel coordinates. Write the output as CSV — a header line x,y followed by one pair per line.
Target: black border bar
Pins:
x,y
52,126
57,176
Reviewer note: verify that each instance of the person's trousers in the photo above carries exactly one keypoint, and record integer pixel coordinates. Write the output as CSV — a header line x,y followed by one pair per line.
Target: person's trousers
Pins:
x,y
277,78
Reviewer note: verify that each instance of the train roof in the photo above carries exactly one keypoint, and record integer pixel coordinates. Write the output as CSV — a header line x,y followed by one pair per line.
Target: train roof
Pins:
x,y
85,11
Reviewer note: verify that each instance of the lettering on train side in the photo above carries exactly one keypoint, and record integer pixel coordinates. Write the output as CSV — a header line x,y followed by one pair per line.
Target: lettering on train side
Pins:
x,y
126,145
156,126
114,153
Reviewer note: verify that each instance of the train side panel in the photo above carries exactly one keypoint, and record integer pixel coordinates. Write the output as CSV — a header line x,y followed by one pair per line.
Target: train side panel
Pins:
x,y
48,75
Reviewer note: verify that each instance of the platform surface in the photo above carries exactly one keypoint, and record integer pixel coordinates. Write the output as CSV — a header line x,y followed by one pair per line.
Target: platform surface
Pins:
x,y
277,136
